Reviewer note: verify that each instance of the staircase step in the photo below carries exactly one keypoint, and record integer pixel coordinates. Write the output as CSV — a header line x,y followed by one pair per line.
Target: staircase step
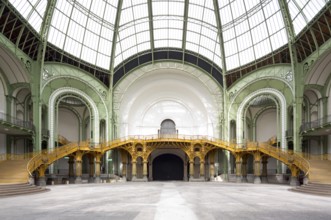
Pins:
x,y
312,192
20,189
23,193
314,188
13,171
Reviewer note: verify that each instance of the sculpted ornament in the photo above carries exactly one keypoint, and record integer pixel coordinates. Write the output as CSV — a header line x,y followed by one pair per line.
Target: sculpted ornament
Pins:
x,y
288,76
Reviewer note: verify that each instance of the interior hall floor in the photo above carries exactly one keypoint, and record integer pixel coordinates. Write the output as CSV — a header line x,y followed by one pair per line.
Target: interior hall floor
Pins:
x,y
167,200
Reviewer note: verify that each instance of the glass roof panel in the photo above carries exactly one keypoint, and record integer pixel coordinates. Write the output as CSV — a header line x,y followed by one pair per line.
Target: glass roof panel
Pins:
x,y
303,11
168,23
84,29
133,30
251,29
202,34
32,10
248,27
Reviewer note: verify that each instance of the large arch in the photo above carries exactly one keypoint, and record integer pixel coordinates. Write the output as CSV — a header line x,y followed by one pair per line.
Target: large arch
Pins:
x,y
51,112
200,96
167,167
175,151
282,101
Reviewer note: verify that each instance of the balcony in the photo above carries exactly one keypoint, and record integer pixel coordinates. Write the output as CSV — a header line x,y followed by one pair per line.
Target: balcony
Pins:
x,y
15,126
321,126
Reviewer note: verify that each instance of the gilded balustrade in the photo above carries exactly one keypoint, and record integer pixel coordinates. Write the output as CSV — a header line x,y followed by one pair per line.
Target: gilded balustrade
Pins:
x,y
151,142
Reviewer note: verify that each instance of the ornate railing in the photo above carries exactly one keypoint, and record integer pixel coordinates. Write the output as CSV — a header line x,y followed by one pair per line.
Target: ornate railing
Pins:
x,y
315,124
17,156
16,121
50,155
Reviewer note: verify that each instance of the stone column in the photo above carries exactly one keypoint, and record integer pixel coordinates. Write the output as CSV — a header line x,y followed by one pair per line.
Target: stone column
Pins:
x,y
257,167
294,176
244,170
71,170
212,171
134,169
97,168
238,168
202,169
191,169
124,164
78,159
185,171
145,169
264,176
91,171
41,176
150,171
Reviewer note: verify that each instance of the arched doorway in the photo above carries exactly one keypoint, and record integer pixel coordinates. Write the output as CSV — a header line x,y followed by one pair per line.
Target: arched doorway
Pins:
x,y
168,167
168,128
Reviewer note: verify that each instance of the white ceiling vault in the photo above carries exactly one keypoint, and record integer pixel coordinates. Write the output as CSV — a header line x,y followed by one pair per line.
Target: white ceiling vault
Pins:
x,y
184,94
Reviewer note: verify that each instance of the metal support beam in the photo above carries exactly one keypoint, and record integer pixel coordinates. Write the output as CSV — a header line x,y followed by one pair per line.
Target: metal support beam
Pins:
x,y
2,8
113,48
111,69
185,28
151,27
224,119
307,21
37,71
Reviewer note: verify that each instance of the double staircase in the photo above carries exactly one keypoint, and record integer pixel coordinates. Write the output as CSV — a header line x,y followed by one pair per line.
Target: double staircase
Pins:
x,y
319,178
14,179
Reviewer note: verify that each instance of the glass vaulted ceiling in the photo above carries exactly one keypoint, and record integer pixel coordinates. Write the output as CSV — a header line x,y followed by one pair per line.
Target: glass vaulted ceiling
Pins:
x,y
251,29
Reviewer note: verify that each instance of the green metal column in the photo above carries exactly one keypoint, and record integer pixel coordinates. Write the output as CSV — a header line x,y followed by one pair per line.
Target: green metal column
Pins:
x,y
35,97
297,74
37,72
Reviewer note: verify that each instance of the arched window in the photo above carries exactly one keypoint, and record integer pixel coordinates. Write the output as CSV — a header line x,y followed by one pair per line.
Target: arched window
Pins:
x,y
168,127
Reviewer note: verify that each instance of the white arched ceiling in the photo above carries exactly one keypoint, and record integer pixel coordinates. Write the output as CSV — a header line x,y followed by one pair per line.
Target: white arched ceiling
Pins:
x,y
320,71
51,112
12,67
167,93
282,101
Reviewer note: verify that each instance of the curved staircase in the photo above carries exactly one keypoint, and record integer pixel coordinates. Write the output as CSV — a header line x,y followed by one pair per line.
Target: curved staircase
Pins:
x,y
319,178
14,179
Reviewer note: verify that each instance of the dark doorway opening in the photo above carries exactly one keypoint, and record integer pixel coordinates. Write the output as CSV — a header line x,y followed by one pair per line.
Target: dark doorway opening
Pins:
x,y
168,167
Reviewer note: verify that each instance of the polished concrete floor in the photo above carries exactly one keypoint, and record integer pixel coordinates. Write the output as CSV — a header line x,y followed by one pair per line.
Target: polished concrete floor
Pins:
x,y
167,200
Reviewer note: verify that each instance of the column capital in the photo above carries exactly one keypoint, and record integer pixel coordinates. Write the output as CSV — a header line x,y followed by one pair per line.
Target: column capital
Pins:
x,y
78,156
